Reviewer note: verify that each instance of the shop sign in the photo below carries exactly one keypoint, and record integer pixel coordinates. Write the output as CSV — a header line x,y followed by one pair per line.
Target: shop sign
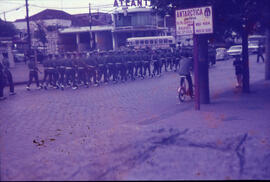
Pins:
x,y
198,19
131,3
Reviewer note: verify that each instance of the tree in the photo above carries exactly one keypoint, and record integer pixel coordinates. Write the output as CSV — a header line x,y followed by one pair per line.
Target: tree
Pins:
x,y
40,34
239,16
7,29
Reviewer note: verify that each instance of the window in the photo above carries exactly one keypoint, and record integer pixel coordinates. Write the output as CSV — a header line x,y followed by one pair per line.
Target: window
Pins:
x,y
137,42
165,41
170,41
161,41
156,41
141,41
151,41
146,41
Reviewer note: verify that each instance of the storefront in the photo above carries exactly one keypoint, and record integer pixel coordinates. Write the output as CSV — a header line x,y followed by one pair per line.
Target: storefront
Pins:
x,y
135,22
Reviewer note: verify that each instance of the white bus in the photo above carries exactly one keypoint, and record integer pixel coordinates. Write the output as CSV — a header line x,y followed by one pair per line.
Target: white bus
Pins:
x,y
151,42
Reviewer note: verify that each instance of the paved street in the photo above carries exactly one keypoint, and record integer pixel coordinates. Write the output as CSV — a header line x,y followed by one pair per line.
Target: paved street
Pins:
x,y
138,130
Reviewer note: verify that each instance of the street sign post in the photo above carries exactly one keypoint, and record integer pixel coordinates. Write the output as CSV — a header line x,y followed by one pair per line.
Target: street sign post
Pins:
x,y
195,21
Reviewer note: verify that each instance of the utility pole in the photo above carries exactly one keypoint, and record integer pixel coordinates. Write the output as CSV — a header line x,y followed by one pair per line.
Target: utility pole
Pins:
x,y
5,17
28,28
90,26
245,57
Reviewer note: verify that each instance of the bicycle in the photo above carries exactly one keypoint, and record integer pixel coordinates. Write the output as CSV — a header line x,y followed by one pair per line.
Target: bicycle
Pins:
x,y
183,90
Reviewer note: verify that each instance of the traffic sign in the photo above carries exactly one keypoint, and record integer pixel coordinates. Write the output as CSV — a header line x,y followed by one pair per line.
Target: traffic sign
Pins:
x,y
199,19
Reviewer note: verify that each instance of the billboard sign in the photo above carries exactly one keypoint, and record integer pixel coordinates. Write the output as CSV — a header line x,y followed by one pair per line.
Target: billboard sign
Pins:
x,y
194,21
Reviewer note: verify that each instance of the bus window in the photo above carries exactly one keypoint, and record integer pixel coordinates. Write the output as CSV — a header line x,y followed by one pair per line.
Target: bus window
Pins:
x,y
161,41
141,41
156,41
165,41
146,41
170,41
151,41
137,42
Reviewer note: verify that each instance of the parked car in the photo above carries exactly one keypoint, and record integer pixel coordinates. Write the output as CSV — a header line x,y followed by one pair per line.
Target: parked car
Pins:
x,y
253,48
221,53
18,56
237,49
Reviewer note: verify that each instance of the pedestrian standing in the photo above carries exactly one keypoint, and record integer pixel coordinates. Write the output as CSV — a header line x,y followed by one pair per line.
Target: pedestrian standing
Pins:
x,y
238,71
260,53
8,76
211,55
2,82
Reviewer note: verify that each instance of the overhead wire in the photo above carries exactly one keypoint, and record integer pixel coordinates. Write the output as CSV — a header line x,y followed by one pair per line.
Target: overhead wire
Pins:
x,y
11,10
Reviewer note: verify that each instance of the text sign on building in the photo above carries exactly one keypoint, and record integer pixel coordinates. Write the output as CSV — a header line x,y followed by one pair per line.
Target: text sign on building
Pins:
x,y
127,3
201,18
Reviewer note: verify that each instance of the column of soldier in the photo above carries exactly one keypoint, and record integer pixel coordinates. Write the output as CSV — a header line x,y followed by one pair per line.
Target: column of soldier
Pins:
x,y
93,68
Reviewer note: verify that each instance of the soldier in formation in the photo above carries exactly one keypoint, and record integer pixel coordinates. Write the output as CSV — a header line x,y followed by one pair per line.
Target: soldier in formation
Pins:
x,y
94,68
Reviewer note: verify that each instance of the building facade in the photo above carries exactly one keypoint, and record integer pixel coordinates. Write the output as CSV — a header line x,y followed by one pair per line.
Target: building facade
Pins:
x,y
135,22
82,32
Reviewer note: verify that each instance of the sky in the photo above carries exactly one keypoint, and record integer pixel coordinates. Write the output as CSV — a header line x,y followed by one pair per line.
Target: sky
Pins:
x,y
15,9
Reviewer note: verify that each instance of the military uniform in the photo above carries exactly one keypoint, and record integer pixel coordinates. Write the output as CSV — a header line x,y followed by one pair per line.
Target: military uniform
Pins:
x,y
111,66
155,57
33,74
162,61
139,64
146,63
130,64
62,71
118,64
102,68
123,67
46,73
82,72
55,65
91,69
176,59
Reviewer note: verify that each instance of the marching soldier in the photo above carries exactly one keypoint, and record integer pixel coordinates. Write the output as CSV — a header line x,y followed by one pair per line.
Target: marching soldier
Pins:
x,y
68,71
162,60
123,67
118,64
102,67
46,71
111,65
146,63
91,73
74,70
55,73
82,69
95,65
138,64
156,63
130,64
33,74
177,55
62,71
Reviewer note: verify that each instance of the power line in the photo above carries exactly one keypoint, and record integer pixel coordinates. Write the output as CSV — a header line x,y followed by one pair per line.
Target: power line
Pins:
x,y
11,10
95,7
